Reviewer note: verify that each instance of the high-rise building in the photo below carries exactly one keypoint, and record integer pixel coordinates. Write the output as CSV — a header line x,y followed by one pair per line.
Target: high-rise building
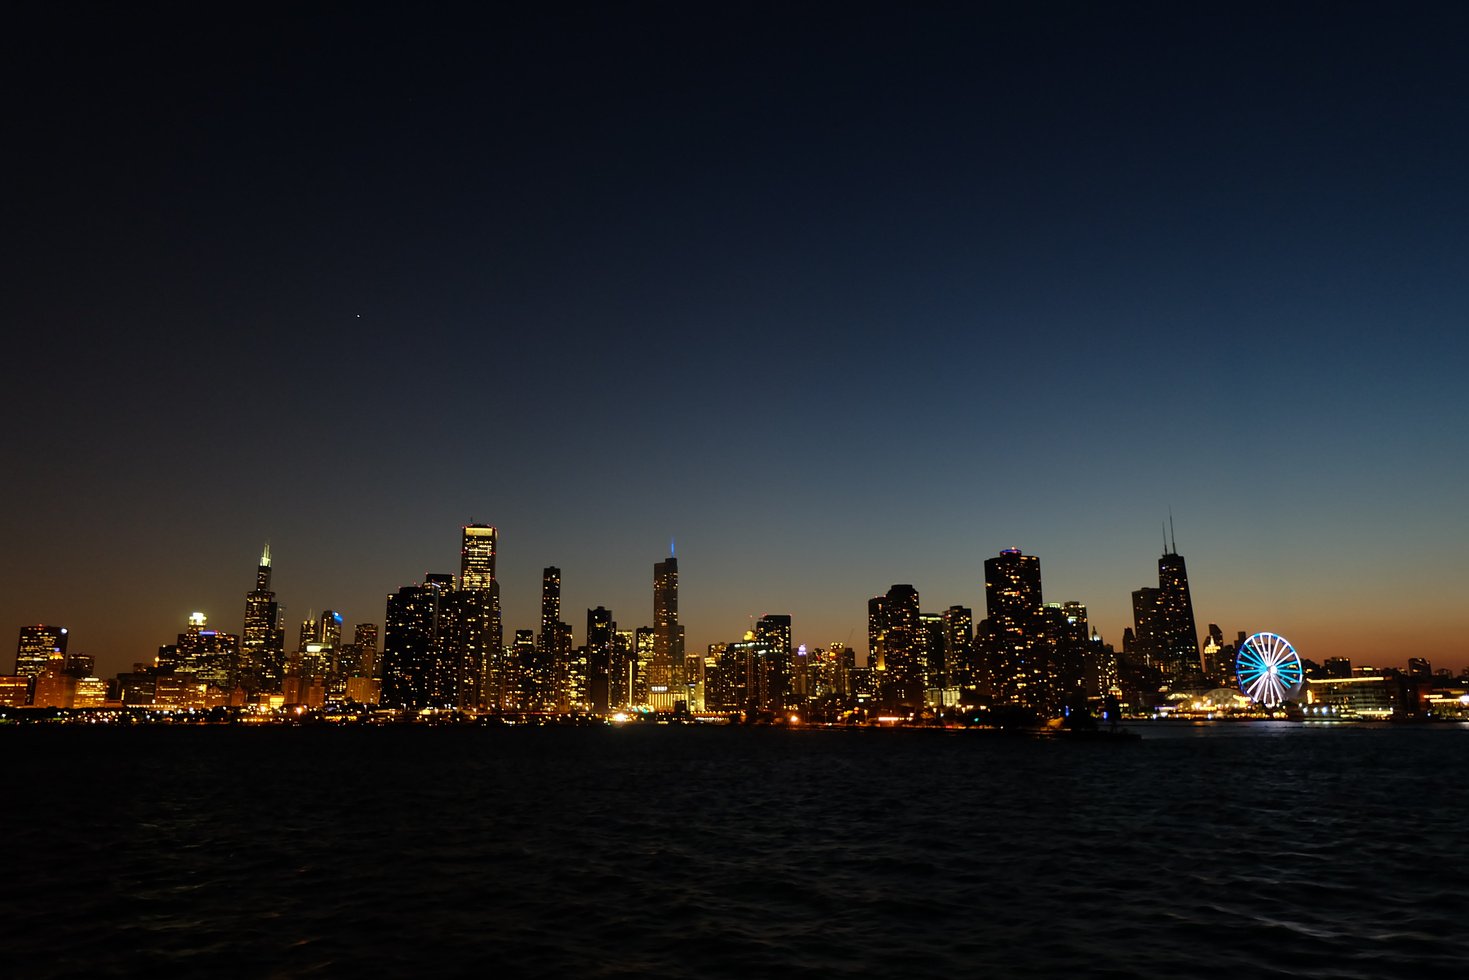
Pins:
x,y
601,641
417,669
40,648
959,645
482,638
477,556
364,638
1179,636
207,654
262,663
554,642
1020,657
771,684
624,675
532,677
896,633
1166,634
666,673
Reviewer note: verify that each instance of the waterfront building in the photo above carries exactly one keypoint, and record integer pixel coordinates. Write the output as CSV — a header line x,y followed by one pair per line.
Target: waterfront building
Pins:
x,y
1020,654
15,691
477,556
773,631
40,648
959,645
364,639
667,690
205,654
601,641
417,672
1166,633
477,549
624,671
1178,637
262,661
900,647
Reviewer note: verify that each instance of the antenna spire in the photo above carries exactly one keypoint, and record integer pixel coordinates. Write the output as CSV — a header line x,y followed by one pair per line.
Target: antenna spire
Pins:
x,y
265,555
1173,540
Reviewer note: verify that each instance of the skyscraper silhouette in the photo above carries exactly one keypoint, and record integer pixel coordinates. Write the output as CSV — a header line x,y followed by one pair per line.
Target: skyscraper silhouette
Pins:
x,y
666,684
262,660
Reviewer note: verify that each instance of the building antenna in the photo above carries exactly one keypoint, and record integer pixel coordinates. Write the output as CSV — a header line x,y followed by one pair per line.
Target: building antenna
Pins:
x,y
1165,537
672,550
1170,531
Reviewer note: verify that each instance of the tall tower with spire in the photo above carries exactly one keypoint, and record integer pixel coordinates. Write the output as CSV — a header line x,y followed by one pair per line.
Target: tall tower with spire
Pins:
x,y
1176,633
262,662
666,670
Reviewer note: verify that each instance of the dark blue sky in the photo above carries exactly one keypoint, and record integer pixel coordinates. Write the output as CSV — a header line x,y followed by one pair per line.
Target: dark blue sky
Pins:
x,y
840,297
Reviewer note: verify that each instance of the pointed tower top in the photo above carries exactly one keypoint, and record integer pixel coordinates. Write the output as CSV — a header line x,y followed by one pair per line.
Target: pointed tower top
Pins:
x,y
265,556
672,550
1172,541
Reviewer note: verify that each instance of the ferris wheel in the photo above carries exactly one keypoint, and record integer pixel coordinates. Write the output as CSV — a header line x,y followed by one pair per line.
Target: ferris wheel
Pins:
x,y
1269,669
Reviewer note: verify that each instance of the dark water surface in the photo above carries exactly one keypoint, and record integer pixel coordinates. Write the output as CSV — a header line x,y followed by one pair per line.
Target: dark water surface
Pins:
x,y
1239,851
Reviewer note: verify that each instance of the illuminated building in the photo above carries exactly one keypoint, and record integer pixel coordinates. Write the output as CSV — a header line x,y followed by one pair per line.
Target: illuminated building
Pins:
x,y
601,640
364,638
642,663
901,647
481,668
90,692
477,557
1337,667
416,668
875,621
770,684
718,689
1372,697
364,690
1020,654
959,644
555,644
533,677
331,629
666,683
744,675
624,672
1166,635
38,647
1178,635
1147,618
933,660
15,691
53,689
262,661
206,655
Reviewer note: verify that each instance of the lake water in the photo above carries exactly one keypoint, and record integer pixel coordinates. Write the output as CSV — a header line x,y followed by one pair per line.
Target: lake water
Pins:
x,y
1251,850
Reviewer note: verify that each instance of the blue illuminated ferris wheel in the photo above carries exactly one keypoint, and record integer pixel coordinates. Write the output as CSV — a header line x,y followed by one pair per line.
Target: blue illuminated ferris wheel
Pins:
x,y
1269,669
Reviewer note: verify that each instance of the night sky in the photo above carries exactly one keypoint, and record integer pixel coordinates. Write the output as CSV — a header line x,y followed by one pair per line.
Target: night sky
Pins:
x,y
837,296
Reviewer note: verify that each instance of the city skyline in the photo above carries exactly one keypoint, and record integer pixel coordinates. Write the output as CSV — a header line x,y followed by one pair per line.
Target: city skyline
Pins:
x,y
839,299
482,573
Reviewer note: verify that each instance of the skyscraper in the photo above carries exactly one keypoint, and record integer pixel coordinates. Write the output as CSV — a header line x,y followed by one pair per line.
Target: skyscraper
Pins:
x,y
1178,639
1020,655
666,672
417,669
771,685
601,640
477,557
206,654
893,620
481,637
1166,633
262,661
40,648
